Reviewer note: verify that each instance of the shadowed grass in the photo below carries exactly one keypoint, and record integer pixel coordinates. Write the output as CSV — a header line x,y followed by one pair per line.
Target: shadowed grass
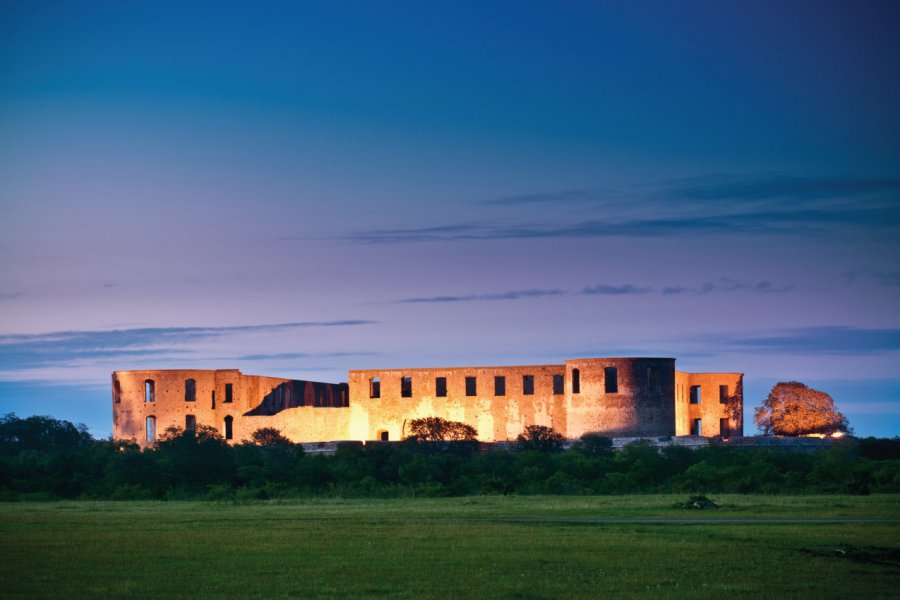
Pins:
x,y
457,547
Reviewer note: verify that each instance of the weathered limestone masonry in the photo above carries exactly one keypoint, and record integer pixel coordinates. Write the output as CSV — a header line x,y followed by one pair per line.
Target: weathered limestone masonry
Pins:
x,y
146,403
709,404
616,397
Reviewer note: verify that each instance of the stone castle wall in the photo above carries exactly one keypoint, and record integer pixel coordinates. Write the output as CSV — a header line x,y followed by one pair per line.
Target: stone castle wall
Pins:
x,y
615,397
496,416
621,397
227,400
715,397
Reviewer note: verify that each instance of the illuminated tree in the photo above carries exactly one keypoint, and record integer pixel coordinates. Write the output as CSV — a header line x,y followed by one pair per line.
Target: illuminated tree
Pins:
x,y
268,436
436,429
792,408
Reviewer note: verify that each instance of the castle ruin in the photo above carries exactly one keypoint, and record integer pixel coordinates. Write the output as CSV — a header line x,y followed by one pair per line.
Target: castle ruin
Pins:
x,y
614,397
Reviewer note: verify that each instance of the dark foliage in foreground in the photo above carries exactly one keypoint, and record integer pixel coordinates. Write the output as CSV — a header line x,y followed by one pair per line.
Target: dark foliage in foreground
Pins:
x,y
42,458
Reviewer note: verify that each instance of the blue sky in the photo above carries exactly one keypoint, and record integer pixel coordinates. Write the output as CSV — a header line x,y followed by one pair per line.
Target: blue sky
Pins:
x,y
297,189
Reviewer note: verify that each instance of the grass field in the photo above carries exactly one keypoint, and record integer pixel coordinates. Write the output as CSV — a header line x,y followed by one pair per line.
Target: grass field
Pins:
x,y
449,548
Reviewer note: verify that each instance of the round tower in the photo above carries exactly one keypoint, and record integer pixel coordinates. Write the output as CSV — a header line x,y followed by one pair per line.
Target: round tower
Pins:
x,y
620,397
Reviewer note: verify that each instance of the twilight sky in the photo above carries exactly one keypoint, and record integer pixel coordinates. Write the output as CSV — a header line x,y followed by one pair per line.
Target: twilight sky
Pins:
x,y
301,188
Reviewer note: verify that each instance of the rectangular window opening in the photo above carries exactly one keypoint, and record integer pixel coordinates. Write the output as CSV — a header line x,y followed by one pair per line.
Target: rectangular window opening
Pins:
x,y
190,390
653,379
695,394
229,392
375,387
499,385
149,391
724,429
611,378
190,422
528,385
151,429
697,427
576,381
558,384
471,386
723,394
229,427
406,386
440,387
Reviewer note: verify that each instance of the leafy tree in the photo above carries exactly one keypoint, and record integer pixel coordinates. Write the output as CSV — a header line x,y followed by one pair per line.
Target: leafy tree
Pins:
x,y
40,433
734,403
594,444
794,409
268,436
540,438
193,459
436,429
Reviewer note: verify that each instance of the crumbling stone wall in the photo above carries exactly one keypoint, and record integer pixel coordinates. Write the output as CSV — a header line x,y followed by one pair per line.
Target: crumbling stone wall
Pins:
x,y
496,417
640,402
615,397
713,406
255,401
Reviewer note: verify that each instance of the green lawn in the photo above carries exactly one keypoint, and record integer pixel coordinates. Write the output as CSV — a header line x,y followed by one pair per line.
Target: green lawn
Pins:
x,y
448,548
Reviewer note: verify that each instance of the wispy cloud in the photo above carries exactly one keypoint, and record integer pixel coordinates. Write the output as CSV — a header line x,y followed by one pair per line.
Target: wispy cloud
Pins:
x,y
300,355
25,351
713,205
726,284
511,295
616,290
584,229
812,340
880,278
767,186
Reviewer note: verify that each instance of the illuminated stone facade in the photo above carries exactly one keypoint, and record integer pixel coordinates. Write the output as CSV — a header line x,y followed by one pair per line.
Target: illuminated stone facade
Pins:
x,y
615,397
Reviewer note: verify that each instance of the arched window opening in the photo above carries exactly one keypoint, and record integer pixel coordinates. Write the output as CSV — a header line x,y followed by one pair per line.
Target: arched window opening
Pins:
x,y
190,422
190,390
229,427
576,381
149,391
151,429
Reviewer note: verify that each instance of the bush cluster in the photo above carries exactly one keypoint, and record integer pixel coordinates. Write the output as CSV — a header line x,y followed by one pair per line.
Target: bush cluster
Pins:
x,y
43,458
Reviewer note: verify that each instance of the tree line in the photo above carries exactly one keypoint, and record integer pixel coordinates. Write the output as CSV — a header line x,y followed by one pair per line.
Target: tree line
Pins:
x,y
45,458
